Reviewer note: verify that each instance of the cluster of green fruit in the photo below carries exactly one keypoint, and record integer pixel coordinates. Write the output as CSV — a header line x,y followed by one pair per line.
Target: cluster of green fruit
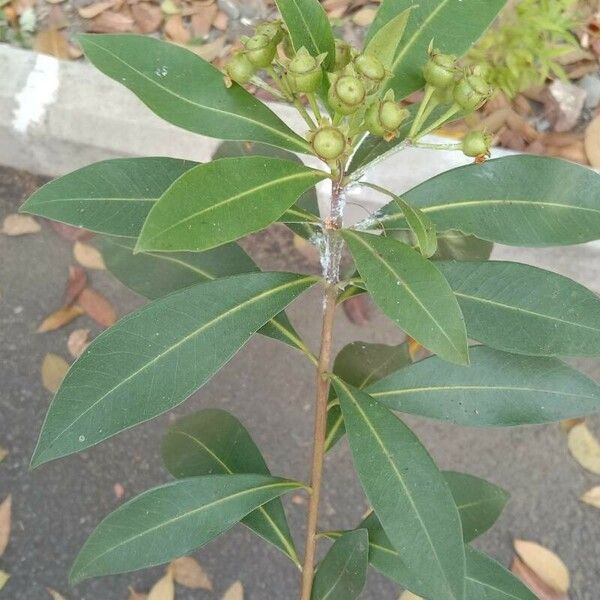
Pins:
x,y
355,91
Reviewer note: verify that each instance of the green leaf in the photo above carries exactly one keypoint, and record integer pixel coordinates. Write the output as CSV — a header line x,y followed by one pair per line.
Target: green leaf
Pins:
x,y
421,225
213,441
479,502
156,274
111,196
515,200
187,91
408,493
385,43
342,574
523,309
360,364
453,25
412,292
485,579
171,521
454,245
238,196
308,201
152,360
309,27
497,389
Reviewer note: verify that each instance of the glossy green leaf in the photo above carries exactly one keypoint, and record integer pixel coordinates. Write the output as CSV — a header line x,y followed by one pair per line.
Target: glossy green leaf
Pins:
x,y
421,225
360,364
213,442
497,389
453,25
156,274
309,27
479,502
485,579
307,202
171,521
515,200
221,201
523,309
388,39
112,196
152,360
342,574
412,292
408,493
454,245
187,91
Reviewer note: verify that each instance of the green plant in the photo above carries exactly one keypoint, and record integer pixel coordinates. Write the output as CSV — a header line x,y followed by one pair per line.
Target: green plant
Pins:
x,y
170,231
523,49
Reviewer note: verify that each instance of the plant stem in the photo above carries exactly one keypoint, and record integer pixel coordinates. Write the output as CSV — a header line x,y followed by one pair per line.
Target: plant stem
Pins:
x,y
323,368
304,113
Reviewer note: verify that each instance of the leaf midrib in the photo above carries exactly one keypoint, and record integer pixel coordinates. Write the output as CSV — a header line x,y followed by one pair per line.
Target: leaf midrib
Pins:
x,y
341,574
188,337
399,476
297,142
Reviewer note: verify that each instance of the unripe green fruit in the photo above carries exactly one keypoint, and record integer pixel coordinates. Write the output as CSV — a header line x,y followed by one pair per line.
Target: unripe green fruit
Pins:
x,y
471,92
272,29
384,118
304,73
439,70
371,70
343,54
346,94
240,69
476,143
260,50
329,143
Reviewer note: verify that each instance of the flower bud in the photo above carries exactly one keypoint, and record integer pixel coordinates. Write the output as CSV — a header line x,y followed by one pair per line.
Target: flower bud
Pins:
x,y
384,117
346,94
371,71
260,50
471,92
343,54
476,143
328,143
272,29
304,72
440,69
240,69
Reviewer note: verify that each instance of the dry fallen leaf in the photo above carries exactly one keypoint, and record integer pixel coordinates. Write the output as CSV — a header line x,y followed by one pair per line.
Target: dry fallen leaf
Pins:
x,y
88,256
585,448
202,20
133,595
188,573
534,583
364,16
4,577
119,490
592,142
3,453
55,595
235,592
97,307
54,369
163,589
68,231
59,318
406,595
545,564
176,30
5,521
111,22
211,50
93,10
568,424
592,497
75,284
19,225
52,42
148,16
78,341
